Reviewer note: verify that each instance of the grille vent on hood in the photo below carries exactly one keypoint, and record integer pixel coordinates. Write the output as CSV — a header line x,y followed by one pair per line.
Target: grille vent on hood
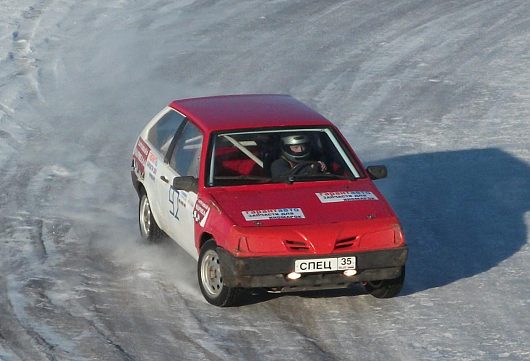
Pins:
x,y
299,246
345,242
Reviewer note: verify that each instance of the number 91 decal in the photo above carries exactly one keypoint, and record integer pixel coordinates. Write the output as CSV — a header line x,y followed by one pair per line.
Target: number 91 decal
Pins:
x,y
174,198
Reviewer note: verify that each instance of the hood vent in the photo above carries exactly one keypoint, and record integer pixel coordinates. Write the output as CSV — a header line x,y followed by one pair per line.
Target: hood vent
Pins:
x,y
299,246
345,242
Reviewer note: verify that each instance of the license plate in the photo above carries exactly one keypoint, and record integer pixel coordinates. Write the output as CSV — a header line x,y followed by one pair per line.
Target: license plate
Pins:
x,y
324,264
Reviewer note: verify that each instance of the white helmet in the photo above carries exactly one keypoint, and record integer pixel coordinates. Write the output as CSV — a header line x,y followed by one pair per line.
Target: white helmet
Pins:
x,y
299,139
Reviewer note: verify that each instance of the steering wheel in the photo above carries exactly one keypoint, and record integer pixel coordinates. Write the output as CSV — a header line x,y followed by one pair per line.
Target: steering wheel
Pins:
x,y
312,167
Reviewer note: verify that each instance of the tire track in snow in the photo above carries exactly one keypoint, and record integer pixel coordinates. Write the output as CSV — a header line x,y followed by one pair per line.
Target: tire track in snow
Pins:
x,y
146,293
22,339
18,82
29,317
22,53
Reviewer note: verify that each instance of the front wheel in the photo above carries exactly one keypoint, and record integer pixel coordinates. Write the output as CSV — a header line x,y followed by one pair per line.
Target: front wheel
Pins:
x,y
386,288
211,278
149,229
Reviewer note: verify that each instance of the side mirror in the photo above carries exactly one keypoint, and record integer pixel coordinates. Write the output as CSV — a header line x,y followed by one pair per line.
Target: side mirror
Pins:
x,y
186,183
377,171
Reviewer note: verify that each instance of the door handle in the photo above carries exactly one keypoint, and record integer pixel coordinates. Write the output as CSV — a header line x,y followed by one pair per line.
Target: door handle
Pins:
x,y
164,179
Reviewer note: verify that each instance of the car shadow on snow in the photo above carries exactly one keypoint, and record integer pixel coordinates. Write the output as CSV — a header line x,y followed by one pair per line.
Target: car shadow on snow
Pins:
x,y
255,296
462,211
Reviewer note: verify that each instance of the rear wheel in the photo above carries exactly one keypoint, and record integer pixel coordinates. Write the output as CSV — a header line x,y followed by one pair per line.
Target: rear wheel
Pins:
x,y
386,288
211,278
149,229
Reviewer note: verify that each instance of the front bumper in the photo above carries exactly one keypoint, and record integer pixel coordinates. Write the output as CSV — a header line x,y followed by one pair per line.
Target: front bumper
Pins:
x,y
270,272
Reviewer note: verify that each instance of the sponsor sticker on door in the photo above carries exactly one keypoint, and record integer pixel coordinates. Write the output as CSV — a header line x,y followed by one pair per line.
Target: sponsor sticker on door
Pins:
x,y
201,212
140,157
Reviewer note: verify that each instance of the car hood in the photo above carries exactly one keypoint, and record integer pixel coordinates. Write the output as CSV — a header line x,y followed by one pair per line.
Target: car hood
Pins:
x,y
302,203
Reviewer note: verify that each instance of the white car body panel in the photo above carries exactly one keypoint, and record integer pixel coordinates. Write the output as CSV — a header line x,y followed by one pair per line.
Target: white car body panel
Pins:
x,y
172,208
176,210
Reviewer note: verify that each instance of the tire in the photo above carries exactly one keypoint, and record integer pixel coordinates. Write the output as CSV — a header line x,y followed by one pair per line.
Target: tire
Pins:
x,y
149,229
211,279
386,288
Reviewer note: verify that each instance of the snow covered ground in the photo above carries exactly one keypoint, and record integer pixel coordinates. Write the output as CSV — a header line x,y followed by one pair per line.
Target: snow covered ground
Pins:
x,y
439,91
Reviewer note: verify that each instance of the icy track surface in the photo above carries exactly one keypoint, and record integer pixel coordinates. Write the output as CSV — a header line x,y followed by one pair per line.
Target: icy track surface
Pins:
x,y
439,91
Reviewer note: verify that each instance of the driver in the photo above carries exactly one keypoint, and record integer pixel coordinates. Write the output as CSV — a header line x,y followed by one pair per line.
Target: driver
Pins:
x,y
296,151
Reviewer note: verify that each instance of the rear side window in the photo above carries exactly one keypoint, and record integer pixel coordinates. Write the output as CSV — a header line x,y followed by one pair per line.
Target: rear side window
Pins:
x,y
187,152
161,134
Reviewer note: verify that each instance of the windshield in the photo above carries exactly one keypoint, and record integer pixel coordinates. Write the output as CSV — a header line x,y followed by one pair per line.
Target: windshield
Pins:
x,y
278,155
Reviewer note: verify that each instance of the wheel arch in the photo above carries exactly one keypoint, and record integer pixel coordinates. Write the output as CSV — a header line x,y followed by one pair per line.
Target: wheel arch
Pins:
x,y
137,184
140,189
205,236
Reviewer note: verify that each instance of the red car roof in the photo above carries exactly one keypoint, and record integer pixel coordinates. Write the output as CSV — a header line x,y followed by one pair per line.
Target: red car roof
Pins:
x,y
230,112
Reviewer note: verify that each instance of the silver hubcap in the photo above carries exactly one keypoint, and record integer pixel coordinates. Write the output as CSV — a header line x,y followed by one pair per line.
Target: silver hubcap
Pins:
x,y
211,277
145,216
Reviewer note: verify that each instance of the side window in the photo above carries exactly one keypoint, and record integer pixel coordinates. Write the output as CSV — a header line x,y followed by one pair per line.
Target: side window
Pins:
x,y
161,134
186,155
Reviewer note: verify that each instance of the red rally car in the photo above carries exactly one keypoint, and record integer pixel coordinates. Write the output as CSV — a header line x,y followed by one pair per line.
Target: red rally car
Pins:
x,y
264,192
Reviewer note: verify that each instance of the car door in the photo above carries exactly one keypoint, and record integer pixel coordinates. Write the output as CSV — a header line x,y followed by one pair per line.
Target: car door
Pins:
x,y
160,137
180,166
